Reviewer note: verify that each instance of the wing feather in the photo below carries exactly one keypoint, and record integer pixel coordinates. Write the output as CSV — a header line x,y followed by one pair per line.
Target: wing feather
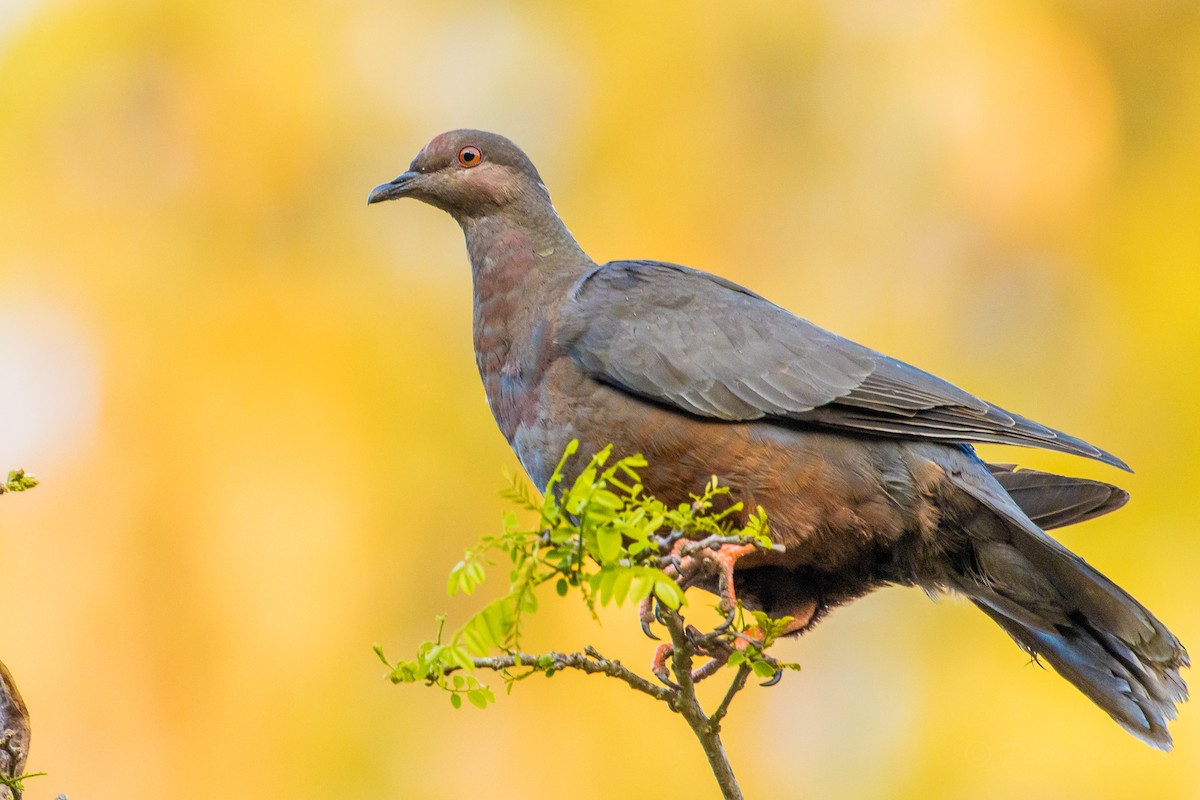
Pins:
x,y
712,348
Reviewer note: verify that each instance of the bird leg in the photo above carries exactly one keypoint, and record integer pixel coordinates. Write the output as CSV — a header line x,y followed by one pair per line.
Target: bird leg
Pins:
x,y
658,665
688,562
691,560
702,562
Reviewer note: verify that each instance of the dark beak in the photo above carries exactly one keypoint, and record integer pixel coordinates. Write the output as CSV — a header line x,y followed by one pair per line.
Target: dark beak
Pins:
x,y
397,188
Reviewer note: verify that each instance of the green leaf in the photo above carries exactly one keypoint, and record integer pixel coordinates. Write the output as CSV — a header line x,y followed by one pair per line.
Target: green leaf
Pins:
x,y
608,542
763,669
456,700
379,652
668,592
457,656
571,449
604,583
599,533
496,623
454,583
643,584
621,584
602,503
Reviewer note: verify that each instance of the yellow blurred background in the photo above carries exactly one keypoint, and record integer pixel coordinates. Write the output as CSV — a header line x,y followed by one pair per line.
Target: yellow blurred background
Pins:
x,y
253,405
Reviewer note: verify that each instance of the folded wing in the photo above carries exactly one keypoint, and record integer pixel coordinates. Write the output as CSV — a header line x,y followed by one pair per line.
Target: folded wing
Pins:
x,y
712,348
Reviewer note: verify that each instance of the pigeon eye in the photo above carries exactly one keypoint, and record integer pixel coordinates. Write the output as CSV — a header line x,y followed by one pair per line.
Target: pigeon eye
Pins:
x,y
469,156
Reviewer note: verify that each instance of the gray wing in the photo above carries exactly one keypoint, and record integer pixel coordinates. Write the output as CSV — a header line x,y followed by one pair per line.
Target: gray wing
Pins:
x,y
712,348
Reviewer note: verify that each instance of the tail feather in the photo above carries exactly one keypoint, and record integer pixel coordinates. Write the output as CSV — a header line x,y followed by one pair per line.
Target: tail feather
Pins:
x,y
1052,501
1058,607
1140,696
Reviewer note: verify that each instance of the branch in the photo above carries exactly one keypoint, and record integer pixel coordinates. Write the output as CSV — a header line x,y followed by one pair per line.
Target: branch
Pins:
x,y
688,706
681,699
738,683
603,535
588,661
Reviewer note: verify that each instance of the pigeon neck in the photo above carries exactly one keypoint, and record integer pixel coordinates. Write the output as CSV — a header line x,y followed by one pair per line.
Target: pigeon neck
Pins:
x,y
522,271
520,238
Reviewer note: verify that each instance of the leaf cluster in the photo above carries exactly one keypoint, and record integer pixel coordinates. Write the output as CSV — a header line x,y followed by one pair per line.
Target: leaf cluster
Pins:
x,y
16,783
599,534
18,481
754,654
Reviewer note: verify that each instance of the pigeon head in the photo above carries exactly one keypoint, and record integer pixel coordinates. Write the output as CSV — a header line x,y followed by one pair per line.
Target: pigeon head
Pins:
x,y
467,173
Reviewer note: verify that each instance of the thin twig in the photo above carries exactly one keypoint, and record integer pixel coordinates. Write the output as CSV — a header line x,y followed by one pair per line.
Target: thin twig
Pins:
x,y
735,686
682,700
590,662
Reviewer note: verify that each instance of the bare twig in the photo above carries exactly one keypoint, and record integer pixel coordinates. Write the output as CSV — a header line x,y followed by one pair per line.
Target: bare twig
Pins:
x,y
589,661
681,699
738,683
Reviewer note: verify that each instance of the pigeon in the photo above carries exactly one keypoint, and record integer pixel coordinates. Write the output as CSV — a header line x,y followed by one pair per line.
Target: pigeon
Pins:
x,y
863,463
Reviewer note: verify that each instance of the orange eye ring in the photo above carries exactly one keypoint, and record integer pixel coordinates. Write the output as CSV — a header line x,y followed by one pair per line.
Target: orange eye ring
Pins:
x,y
469,156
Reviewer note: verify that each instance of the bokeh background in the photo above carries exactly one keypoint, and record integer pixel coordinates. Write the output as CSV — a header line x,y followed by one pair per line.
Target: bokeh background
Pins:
x,y
253,404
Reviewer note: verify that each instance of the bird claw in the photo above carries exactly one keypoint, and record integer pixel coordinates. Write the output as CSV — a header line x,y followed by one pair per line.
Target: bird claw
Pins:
x,y
774,679
649,611
729,619
659,665
665,680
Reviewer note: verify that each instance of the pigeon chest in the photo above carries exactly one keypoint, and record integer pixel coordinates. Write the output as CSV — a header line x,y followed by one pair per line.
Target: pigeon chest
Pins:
x,y
513,376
